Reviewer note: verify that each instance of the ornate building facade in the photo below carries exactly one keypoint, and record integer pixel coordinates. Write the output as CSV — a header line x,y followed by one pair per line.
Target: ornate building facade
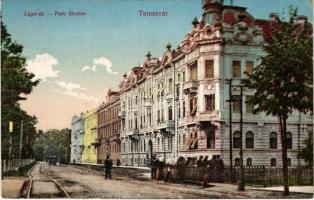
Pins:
x,y
178,105
77,134
90,137
109,128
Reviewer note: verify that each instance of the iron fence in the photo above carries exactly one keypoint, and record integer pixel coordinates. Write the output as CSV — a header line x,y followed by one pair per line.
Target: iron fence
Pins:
x,y
253,175
14,165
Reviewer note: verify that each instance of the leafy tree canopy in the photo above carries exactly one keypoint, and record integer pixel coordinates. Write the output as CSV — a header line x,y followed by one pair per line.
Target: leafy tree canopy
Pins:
x,y
284,79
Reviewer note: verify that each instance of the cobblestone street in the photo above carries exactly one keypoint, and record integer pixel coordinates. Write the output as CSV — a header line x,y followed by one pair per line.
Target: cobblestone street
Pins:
x,y
85,183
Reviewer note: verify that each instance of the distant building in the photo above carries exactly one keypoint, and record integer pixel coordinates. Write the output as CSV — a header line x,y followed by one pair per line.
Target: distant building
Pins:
x,y
90,137
109,128
77,134
177,105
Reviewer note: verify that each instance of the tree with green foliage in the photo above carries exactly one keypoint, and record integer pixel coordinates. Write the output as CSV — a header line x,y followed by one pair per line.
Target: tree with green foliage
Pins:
x,y
16,82
307,152
53,143
283,82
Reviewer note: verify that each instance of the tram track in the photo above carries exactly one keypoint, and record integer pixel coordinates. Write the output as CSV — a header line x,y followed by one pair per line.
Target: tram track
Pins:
x,y
42,185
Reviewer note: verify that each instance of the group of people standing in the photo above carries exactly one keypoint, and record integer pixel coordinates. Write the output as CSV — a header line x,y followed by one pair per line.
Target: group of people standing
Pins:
x,y
216,162
213,168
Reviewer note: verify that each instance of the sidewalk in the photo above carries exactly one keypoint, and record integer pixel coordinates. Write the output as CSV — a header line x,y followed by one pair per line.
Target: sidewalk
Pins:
x,y
11,187
295,189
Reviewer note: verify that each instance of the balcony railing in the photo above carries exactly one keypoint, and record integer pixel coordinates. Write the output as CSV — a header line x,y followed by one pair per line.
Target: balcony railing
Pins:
x,y
122,114
190,87
96,142
207,116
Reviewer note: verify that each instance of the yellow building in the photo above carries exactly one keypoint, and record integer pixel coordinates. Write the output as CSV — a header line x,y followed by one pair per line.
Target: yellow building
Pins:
x,y
90,136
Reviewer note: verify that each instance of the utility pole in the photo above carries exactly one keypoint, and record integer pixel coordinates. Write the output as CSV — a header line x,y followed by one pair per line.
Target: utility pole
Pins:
x,y
230,128
21,143
241,181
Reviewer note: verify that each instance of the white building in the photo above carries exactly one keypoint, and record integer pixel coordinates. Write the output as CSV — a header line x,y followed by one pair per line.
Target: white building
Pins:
x,y
77,134
177,105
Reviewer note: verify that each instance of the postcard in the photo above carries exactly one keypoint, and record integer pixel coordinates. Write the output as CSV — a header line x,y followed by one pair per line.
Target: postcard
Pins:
x,y
157,99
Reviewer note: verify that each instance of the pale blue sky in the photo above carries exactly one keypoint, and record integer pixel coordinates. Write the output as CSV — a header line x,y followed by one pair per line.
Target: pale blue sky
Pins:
x,y
111,29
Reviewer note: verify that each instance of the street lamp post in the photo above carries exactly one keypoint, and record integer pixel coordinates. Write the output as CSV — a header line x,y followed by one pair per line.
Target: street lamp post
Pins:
x,y
241,181
230,128
241,186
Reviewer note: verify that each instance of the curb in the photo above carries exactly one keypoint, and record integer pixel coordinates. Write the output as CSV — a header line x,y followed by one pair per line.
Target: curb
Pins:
x,y
294,192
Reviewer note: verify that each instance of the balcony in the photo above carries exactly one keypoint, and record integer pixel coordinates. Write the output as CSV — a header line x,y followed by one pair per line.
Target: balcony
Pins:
x,y
96,142
169,125
190,87
122,114
115,137
134,134
207,116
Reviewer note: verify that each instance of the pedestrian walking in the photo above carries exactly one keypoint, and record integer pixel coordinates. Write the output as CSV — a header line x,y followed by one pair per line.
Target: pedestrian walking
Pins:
x,y
108,167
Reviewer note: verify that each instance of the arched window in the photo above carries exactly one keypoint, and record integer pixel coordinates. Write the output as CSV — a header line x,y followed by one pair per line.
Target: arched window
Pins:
x,y
249,140
211,139
237,162
273,140
236,139
289,140
249,161
289,162
273,162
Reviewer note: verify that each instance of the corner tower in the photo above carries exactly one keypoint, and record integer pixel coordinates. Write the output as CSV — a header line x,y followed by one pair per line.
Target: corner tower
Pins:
x,y
212,11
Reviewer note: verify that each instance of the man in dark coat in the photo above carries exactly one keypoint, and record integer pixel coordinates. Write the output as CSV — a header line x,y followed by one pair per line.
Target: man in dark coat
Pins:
x,y
108,167
153,165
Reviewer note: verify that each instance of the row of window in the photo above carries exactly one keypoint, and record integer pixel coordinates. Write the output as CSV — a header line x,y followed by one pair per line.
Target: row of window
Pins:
x,y
114,148
249,162
141,145
110,129
249,140
209,69
108,114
